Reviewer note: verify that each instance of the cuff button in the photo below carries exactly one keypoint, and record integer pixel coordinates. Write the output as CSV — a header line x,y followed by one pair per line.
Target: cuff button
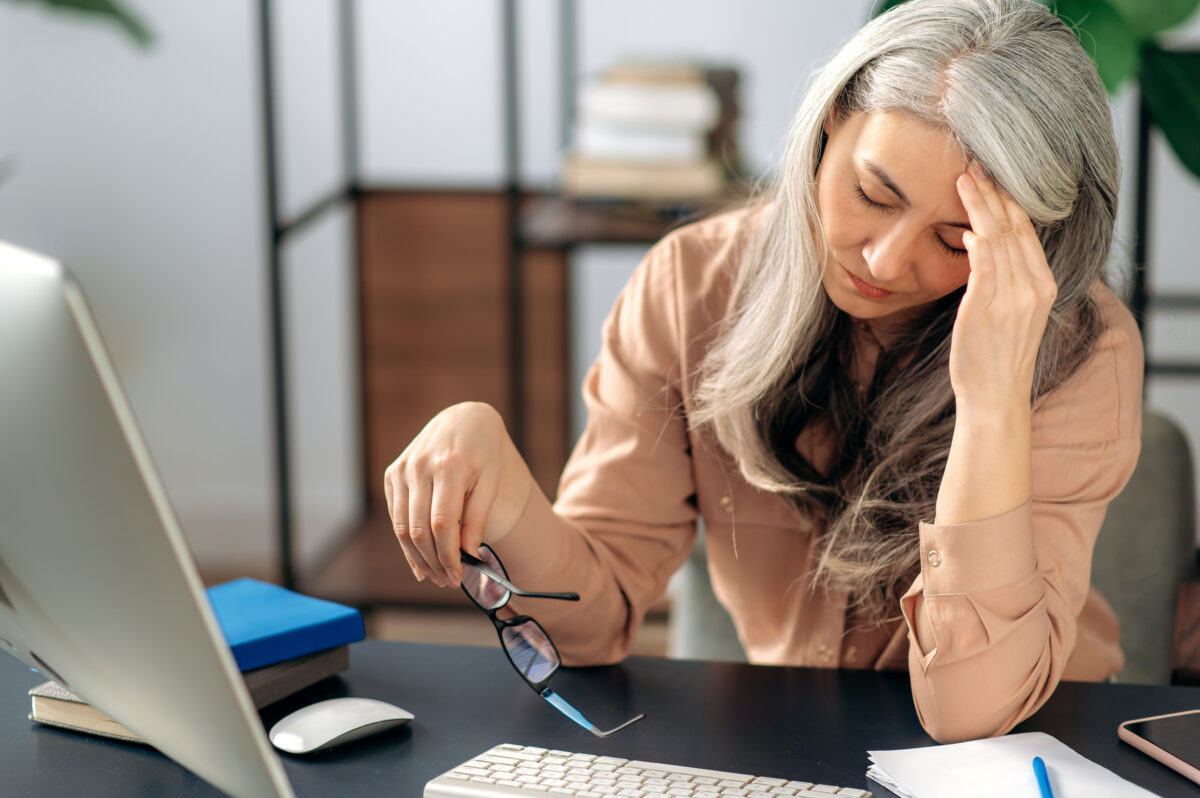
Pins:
x,y
935,559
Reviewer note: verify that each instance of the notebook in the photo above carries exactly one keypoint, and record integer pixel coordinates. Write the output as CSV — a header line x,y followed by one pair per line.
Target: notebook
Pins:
x,y
997,767
97,588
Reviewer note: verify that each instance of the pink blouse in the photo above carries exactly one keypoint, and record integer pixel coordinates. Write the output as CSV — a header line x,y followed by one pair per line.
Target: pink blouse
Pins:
x,y
1008,598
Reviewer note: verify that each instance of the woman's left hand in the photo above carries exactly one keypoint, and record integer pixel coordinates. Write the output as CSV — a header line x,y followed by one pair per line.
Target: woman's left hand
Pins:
x,y
1003,314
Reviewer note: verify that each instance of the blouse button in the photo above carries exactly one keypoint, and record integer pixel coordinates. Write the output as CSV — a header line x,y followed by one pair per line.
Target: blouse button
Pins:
x,y
727,504
851,655
825,654
935,559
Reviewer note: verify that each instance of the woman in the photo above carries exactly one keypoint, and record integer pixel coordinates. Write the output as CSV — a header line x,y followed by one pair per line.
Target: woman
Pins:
x,y
897,390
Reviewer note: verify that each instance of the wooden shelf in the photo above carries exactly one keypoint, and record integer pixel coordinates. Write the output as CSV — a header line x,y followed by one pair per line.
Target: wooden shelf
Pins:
x,y
554,221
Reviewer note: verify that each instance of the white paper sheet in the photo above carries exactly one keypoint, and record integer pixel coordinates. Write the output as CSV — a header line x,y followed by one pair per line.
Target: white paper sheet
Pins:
x,y
998,767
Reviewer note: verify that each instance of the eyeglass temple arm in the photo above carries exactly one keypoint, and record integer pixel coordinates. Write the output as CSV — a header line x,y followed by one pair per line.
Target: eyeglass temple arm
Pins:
x,y
559,703
483,568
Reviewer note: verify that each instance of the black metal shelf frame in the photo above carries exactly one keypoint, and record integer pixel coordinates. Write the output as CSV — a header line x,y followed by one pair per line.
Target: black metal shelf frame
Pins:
x,y
280,230
1141,301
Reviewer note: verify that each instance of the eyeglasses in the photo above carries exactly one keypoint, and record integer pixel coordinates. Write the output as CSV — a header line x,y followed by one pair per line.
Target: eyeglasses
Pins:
x,y
523,639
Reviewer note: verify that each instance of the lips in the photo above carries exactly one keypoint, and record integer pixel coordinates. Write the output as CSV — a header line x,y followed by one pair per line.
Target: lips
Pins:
x,y
866,289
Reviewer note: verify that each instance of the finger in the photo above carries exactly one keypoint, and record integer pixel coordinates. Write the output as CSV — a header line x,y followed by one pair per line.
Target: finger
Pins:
x,y
981,284
445,520
1029,258
397,504
419,532
991,195
1026,241
476,509
981,255
990,220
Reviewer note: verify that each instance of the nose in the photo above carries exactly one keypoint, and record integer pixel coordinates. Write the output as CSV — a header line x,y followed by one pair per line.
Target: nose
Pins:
x,y
889,255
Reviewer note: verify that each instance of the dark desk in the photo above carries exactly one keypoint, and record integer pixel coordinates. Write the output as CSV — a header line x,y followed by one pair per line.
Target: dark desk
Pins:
x,y
787,722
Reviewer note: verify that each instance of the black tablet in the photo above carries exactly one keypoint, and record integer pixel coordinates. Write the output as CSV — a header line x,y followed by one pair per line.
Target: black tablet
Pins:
x,y
1172,739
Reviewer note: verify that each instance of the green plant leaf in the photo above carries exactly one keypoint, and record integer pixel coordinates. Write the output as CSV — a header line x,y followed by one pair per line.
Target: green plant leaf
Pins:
x,y
1106,37
1148,17
108,9
883,5
1171,88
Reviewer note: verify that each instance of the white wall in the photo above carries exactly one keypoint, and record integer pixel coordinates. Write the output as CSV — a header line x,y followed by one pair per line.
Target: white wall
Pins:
x,y
144,171
141,170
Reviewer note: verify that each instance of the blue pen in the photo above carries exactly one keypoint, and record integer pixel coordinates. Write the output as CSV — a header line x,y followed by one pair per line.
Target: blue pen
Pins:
x,y
1043,778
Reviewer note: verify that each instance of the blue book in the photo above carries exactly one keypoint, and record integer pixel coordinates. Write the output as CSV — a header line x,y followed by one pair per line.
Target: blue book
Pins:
x,y
265,624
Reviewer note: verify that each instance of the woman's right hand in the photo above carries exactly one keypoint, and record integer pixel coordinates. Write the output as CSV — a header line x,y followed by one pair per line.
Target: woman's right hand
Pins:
x,y
461,482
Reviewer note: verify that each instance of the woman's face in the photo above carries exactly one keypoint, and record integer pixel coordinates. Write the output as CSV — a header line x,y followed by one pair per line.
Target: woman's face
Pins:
x,y
891,214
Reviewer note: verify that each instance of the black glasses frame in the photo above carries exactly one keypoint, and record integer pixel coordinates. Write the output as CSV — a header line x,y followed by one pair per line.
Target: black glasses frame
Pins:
x,y
539,686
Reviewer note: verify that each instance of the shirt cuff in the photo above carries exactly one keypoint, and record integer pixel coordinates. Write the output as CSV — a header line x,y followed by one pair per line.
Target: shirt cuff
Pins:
x,y
978,555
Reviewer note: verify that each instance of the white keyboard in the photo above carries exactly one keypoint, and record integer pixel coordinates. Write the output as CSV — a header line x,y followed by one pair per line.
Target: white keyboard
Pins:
x,y
511,771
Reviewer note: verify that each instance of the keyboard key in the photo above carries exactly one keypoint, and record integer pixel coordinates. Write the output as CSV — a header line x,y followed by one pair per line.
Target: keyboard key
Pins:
x,y
687,771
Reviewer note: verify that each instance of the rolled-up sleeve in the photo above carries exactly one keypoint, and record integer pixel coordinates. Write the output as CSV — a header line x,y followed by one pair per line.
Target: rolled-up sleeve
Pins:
x,y
1002,596
624,520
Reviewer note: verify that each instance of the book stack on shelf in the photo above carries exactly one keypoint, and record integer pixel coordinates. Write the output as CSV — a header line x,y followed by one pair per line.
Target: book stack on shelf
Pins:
x,y
282,642
658,133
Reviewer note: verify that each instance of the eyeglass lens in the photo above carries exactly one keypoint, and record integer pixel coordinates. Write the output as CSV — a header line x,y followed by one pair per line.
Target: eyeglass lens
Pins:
x,y
530,650
486,592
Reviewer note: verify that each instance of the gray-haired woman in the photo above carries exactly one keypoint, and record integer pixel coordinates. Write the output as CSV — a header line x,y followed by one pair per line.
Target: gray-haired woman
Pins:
x,y
895,387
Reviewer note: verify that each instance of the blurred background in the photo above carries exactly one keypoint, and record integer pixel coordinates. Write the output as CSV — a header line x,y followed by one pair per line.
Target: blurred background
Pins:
x,y
306,226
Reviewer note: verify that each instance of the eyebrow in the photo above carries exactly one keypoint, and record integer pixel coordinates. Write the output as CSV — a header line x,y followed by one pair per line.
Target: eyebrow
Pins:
x,y
891,186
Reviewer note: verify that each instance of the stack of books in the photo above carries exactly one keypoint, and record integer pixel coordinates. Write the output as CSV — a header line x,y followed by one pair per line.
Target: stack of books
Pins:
x,y
655,132
282,642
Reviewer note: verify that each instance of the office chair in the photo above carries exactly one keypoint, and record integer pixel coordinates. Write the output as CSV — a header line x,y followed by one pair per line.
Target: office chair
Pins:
x,y
1145,551
1147,548
699,627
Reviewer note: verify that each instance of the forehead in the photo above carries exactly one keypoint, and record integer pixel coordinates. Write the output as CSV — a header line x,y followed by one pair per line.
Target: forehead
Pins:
x,y
902,142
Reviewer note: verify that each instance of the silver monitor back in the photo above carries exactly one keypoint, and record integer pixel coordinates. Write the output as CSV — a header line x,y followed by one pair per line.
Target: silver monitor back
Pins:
x,y
97,588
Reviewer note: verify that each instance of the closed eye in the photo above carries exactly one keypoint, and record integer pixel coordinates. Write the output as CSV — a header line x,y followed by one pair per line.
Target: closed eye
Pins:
x,y
949,250
879,206
862,195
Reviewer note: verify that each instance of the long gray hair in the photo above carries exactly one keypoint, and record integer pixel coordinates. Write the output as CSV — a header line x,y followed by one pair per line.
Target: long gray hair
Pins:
x,y
1011,84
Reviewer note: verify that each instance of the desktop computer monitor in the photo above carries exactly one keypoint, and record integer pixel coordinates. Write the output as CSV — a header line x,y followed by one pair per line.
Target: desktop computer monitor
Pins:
x,y
97,588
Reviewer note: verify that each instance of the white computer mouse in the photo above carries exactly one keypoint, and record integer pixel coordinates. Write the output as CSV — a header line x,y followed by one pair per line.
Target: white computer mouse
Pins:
x,y
339,720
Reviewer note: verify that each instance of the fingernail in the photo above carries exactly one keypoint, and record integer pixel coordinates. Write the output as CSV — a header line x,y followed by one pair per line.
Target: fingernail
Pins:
x,y
968,182
975,169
